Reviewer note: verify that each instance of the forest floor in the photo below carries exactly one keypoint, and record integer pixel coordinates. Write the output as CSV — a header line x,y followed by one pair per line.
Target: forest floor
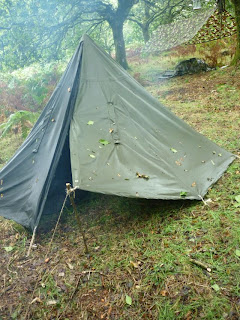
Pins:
x,y
148,259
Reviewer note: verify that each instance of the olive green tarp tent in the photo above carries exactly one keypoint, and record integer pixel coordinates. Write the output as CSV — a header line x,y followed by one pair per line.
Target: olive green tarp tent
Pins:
x,y
104,133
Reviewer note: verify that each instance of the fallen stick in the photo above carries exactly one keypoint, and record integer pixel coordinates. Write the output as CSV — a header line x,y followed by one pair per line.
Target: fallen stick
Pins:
x,y
201,265
70,299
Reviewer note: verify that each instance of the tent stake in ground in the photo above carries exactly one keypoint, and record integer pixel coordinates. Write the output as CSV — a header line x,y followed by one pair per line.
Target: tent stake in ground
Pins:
x,y
80,227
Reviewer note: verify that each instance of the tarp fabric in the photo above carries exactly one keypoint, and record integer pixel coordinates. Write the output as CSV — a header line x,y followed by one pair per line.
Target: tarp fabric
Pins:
x,y
149,152
26,179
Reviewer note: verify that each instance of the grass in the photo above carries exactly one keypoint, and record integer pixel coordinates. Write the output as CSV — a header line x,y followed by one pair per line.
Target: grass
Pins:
x,y
139,248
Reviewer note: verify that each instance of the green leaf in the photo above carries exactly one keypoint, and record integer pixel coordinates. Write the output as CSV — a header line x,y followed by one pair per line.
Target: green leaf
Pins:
x,y
237,252
104,142
8,249
216,287
92,156
237,198
90,123
183,194
128,300
174,150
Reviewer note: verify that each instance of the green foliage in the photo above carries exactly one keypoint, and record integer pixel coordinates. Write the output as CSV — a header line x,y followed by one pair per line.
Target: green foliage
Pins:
x,y
29,88
20,119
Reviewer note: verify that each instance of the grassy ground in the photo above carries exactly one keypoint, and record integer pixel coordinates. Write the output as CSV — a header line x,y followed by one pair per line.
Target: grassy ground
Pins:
x,y
148,259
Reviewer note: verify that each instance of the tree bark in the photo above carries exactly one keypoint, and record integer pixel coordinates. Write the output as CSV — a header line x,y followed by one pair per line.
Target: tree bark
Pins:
x,y
119,43
145,25
116,18
145,32
236,58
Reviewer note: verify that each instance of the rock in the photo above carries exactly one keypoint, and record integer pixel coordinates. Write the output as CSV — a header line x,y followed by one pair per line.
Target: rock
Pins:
x,y
191,66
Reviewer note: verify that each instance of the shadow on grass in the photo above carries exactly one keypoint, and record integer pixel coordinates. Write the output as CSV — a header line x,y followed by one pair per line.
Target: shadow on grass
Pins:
x,y
107,211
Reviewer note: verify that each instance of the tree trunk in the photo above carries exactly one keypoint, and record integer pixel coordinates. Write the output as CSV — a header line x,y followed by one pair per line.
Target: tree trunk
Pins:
x,y
145,25
145,32
119,43
236,58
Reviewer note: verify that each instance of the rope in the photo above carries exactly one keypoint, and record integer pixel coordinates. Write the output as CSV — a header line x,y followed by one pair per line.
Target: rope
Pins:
x,y
47,253
205,203
56,226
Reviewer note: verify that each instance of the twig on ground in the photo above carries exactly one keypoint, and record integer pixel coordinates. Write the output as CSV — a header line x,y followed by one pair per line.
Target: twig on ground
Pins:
x,y
70,299
201,264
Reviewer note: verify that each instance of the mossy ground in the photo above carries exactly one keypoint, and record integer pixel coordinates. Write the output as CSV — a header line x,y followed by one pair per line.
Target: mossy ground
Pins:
x,y
139,249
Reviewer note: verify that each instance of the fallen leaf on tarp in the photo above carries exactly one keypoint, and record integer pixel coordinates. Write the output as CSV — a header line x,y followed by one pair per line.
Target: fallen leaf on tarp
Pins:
x,y
104,142
144,176
183,194
111,130
194,184
90,123
173,150
128,300
92,156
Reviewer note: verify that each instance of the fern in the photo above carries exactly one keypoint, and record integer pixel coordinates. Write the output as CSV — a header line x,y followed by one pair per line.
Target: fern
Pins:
x,y
22,119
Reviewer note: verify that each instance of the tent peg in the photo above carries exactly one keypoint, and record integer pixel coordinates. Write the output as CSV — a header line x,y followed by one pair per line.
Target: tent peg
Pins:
x,y
32,241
